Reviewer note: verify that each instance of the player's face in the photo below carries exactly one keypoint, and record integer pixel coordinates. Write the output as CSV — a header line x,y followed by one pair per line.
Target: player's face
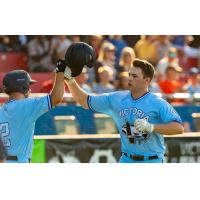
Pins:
x,y
137,81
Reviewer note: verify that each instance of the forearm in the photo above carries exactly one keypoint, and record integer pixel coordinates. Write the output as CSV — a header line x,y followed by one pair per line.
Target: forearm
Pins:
x,y
172,128
79,95
58,89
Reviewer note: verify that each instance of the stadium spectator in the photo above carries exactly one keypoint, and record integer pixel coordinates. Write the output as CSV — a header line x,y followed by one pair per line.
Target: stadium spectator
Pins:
x,y
170,59
131,39
162,44
126,59
171,82
14,44
75,38
39,55
122,81
82,80
105,77
107,54
4,43
59,46
119,44
145,49
182,58
96,41
192,51
23,39
193,84
179,41
106,58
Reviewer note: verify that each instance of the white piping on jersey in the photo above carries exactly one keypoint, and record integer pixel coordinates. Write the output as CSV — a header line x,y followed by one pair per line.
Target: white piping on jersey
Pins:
x,y
139,97
89,103
49,101
10,101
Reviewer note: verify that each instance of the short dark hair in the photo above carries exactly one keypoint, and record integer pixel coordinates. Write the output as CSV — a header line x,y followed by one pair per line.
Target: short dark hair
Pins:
x,y
146,67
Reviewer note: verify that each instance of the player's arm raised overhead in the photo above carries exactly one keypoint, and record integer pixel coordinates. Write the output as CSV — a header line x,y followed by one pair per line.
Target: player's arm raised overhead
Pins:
x,y
79,95
77,56
58,86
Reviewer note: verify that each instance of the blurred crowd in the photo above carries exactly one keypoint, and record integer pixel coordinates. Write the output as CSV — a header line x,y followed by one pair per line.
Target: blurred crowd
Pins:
x,y
176,59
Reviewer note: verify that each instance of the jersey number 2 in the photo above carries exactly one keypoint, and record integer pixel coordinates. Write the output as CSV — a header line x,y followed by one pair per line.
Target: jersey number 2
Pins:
x,y
4,132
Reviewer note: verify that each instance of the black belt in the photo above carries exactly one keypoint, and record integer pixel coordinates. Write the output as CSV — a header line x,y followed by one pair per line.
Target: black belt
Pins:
x,y
140,157
12,158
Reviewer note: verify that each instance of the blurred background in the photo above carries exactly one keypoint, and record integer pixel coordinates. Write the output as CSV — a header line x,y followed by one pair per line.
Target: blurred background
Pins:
x,y
69,133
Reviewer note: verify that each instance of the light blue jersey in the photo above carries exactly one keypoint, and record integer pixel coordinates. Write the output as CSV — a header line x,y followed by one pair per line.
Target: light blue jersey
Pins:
x,y
17,124
124,110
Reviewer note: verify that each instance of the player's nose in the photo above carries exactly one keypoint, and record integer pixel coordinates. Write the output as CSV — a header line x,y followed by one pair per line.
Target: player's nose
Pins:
x,y
129,84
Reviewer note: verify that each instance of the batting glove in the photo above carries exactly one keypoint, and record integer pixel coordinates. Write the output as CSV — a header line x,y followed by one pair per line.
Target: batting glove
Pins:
x,y
60,66
143,125
68,75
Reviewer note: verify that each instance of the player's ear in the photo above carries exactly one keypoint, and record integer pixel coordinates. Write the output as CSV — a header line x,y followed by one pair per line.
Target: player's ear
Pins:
x,y
148,80
28,93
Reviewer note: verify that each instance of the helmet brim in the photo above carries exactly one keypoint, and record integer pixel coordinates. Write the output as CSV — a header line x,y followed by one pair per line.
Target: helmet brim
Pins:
x,y
32,81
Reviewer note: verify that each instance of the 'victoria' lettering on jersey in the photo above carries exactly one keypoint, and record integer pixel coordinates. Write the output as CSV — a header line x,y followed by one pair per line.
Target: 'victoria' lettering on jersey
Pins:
x,y
128,111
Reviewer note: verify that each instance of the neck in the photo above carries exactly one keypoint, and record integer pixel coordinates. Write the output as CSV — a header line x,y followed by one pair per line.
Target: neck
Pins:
x,y
16,96
138,94
108,62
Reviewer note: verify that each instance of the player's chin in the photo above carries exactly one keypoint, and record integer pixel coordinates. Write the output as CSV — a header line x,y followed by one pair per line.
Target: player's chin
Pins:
x,y
130,85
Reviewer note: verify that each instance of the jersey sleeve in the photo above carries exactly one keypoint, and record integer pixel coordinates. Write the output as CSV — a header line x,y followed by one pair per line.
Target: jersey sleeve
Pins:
x,y
168,113
39,106
100,103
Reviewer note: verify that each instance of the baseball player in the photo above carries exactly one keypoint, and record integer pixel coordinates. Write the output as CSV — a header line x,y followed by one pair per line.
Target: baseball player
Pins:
x,y
142,118
19,114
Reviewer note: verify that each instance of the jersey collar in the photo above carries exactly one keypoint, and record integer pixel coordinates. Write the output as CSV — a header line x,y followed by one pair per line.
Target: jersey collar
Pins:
x,y
10,101
145,94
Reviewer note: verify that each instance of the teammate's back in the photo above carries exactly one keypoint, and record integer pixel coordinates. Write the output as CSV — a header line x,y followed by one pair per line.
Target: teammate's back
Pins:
x,y
19,114
17,119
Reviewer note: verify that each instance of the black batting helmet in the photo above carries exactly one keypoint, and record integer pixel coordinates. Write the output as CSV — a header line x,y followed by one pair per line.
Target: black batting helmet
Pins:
x,y
17,81
78,55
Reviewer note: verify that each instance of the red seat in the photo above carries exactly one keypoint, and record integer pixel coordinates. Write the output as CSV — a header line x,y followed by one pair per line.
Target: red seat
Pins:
x,y
12,61
192,62
1,79
40,78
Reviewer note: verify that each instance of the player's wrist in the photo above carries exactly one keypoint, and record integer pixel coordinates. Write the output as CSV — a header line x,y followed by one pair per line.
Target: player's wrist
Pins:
x,y
60,66
150,128
70,80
